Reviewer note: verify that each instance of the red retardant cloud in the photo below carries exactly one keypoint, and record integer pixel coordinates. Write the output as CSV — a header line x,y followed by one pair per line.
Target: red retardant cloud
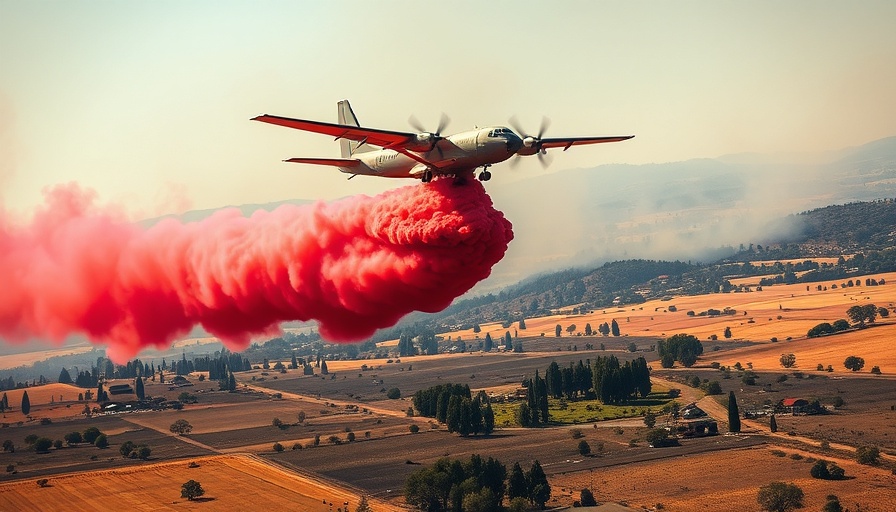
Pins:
x,y
354,265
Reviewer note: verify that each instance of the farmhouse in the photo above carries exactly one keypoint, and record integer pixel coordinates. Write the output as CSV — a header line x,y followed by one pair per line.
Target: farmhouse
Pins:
x,y
794,405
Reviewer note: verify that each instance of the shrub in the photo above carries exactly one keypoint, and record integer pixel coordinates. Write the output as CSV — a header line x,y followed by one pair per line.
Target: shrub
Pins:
x,y
875,370
780,497
278,447
586,498
868,455
101,441
412,428
393,394
43,445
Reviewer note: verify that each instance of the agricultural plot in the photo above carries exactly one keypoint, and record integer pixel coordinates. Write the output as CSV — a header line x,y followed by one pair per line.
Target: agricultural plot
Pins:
x,y
229,482
731,485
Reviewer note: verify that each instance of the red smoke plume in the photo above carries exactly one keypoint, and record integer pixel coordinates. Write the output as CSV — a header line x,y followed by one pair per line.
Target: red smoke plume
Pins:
x,y
354,265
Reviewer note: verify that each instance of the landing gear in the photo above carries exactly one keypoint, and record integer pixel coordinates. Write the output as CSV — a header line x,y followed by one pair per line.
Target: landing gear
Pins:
x,y
485,176
427,177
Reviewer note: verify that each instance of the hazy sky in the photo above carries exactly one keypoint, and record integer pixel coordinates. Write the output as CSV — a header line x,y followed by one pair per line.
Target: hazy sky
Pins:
x,y
149,103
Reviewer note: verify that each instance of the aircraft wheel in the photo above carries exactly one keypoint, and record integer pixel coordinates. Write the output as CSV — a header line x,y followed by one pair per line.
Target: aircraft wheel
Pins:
x,y
485,176
427,177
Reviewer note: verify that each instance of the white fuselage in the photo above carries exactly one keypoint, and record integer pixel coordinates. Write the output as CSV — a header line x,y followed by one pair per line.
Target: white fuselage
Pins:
x,y
459,154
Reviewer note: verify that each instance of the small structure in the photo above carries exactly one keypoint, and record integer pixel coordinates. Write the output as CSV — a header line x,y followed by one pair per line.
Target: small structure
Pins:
x,y
697,428
121,389
794,405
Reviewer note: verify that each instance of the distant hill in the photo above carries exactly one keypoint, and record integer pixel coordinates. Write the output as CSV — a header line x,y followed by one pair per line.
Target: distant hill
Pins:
x,y
863,232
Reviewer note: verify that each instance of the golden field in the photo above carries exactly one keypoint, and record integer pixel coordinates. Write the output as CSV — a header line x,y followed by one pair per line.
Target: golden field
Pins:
x,y
231,482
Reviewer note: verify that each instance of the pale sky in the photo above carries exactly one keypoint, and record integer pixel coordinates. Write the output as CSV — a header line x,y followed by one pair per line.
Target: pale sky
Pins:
x,y
149,103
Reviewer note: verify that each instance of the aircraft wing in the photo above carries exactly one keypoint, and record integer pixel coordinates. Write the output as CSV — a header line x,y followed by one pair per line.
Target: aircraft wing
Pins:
x,y
336,162
567,143
381,138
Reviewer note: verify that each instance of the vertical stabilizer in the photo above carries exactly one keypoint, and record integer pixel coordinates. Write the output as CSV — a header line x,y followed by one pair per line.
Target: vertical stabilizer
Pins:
x,y
347,117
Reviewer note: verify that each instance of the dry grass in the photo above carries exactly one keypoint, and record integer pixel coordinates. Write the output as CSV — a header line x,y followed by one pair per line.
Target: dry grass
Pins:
x,y
62,395
780,311
726,481
228,480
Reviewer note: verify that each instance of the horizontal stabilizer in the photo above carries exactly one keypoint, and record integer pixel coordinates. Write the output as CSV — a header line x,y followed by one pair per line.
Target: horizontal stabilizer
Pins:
x,y
336,162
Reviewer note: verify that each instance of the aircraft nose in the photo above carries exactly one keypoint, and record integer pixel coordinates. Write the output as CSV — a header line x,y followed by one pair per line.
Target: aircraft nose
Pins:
x,y
514,143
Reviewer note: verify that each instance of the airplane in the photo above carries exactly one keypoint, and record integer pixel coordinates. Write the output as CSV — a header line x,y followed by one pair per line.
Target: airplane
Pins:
x,y
424,155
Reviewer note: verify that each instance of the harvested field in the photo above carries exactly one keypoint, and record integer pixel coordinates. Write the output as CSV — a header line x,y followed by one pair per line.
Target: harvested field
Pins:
x,y
874,344
728,481
229,481
47,401
800,306
383,465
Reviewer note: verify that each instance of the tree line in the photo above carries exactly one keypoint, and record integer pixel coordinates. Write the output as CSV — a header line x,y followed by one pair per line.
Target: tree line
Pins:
x,y
453,405
476,485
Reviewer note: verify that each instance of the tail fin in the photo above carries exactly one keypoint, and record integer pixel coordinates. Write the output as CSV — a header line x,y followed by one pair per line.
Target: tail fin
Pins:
x,y
347,117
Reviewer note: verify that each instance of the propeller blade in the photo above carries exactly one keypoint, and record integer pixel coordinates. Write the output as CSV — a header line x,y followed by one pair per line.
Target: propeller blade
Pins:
x,y
443,123
545,159
415,124
515,124
545,124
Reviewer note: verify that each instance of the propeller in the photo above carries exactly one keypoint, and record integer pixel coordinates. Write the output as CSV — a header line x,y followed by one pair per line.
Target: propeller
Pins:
x,y
532,144
426,136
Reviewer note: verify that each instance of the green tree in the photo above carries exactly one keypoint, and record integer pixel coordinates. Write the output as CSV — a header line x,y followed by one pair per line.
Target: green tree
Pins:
x,y
101,441
181,427
73,438
787,360
393,394
584,447
588,330
727,332
65,377
854,363
138,388
508,341
90,434
517,487
780,497
488,419
539,489
614,327
773,424
488,344
522,324
323,368
4,403
191,490
557,331
586,498
26,404
43,444
733,413
650,419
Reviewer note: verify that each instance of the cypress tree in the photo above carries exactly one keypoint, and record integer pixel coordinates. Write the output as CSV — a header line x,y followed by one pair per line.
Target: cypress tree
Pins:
x,y
138,388
488,344
508,341
488,419
26,403
733,413
773,424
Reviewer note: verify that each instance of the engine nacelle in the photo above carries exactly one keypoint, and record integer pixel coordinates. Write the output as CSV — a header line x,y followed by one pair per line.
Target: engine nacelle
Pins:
x,y
422,142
